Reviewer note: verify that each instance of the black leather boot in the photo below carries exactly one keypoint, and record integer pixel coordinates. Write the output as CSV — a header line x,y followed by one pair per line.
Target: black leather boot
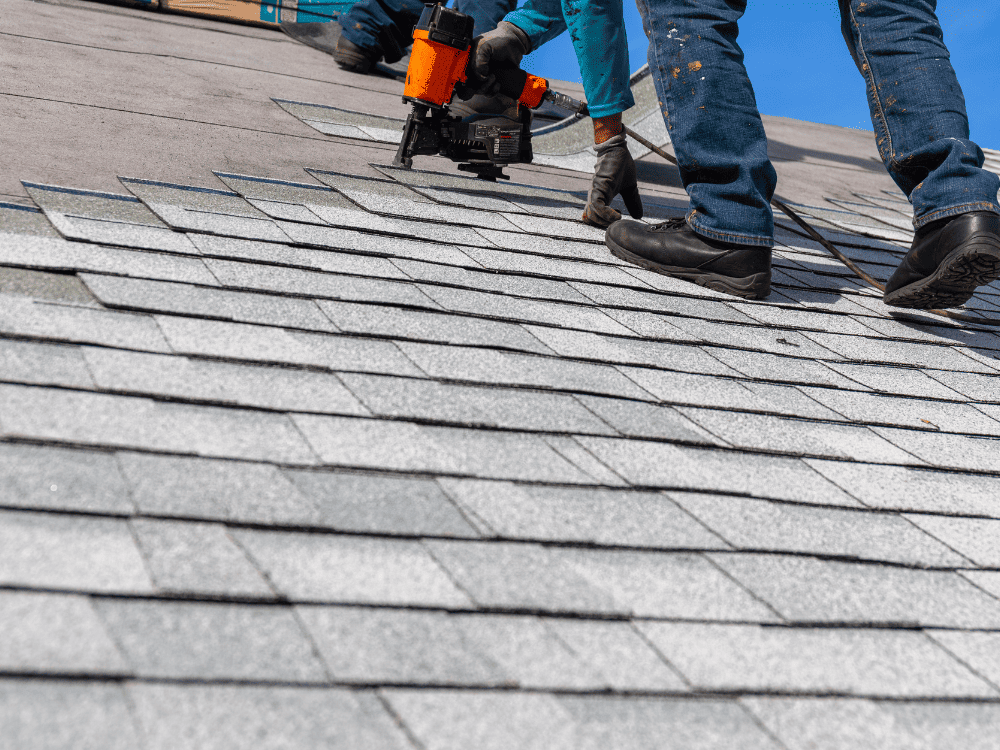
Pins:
x,y
674,249
948,259
350,56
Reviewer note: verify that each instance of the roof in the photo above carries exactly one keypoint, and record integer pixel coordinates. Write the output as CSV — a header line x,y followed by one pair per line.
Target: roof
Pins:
x,y
299,450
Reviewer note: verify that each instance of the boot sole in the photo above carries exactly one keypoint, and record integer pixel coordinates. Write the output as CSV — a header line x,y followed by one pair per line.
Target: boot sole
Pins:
x,y
955,280
757,286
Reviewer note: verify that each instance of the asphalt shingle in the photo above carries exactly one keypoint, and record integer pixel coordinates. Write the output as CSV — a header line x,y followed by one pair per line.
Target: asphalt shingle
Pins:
x,y
807,590
212,717
979,650
381,503
203,641
46,550
892,663
55,634
50,478
43,364
346,569
767,525
978,539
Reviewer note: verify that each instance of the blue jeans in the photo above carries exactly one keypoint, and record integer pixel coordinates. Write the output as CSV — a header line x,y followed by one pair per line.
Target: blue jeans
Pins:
x,y
387,25
917,107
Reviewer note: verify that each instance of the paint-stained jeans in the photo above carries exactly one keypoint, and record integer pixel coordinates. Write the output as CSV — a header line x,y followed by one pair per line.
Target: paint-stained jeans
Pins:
x,y
917,107
387,25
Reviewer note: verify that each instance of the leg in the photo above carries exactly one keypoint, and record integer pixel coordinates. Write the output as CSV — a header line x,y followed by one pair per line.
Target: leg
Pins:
x,y
487,13
922,133
381,28
711,115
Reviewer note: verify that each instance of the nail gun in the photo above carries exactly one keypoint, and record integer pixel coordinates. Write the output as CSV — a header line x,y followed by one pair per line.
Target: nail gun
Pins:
x,y
439,62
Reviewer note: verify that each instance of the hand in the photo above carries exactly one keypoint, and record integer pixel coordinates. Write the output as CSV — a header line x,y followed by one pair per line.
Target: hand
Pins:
x,y
501,48
613,174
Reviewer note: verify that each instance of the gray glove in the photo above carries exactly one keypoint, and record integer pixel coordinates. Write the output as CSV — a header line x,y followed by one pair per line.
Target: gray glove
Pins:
x,y
501,48
614,174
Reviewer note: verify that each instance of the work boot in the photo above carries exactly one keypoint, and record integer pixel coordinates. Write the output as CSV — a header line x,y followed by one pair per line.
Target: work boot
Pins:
x,y
674,249
350,56
948,259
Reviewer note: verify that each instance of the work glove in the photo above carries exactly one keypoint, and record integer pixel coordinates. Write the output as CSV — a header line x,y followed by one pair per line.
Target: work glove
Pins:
x,y
495,50
613,174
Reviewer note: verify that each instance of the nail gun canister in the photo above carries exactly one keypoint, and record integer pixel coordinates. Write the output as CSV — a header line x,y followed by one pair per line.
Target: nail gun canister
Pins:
x,y
439,57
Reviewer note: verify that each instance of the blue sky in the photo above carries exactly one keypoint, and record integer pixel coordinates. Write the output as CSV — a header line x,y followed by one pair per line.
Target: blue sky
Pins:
x,y
800,66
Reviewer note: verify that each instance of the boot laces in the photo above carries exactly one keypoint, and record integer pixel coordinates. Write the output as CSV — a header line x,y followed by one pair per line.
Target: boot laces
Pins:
x,y
670,225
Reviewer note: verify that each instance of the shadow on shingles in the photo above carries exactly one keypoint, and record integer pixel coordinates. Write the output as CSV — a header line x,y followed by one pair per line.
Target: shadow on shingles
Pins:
x,y
658,172
915,321
780,151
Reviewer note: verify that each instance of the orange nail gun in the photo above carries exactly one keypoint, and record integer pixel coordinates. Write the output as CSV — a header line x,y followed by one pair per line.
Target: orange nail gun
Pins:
x,y
439,62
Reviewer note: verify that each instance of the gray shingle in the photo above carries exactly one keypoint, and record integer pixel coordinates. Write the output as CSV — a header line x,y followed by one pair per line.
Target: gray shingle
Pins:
x,y
754,337
45,550
611,517
193,717
622,658
808,319
495,407
979,387
767,525
892,663
303,193
244,385
182,299
54,633
671,585
529,652
58,254
486,720
840,724
766,366
548,227
22,317
334,568
534,311
790,400
121,233
198,558
549,245
328,285
987,580
976,538
902,488
642,419
807,590
670,466
487,366
520,576
584,460
768,433
405,446
907,412
434,243
585,345
649,722
555,268
213,489
880,350
17,219
395,646
687,388
56,714
43,364
901,381
978,650
384,504
378,202
412,324
50,478
522,286
272,253
128,422
191,640
945,450
652,309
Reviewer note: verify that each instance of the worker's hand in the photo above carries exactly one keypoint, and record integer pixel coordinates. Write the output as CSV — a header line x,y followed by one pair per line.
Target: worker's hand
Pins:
x,y
501,48
614,174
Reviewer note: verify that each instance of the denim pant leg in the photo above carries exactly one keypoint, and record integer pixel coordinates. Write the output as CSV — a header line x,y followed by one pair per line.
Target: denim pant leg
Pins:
x,y
486,13
917,106
384,25
711,114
